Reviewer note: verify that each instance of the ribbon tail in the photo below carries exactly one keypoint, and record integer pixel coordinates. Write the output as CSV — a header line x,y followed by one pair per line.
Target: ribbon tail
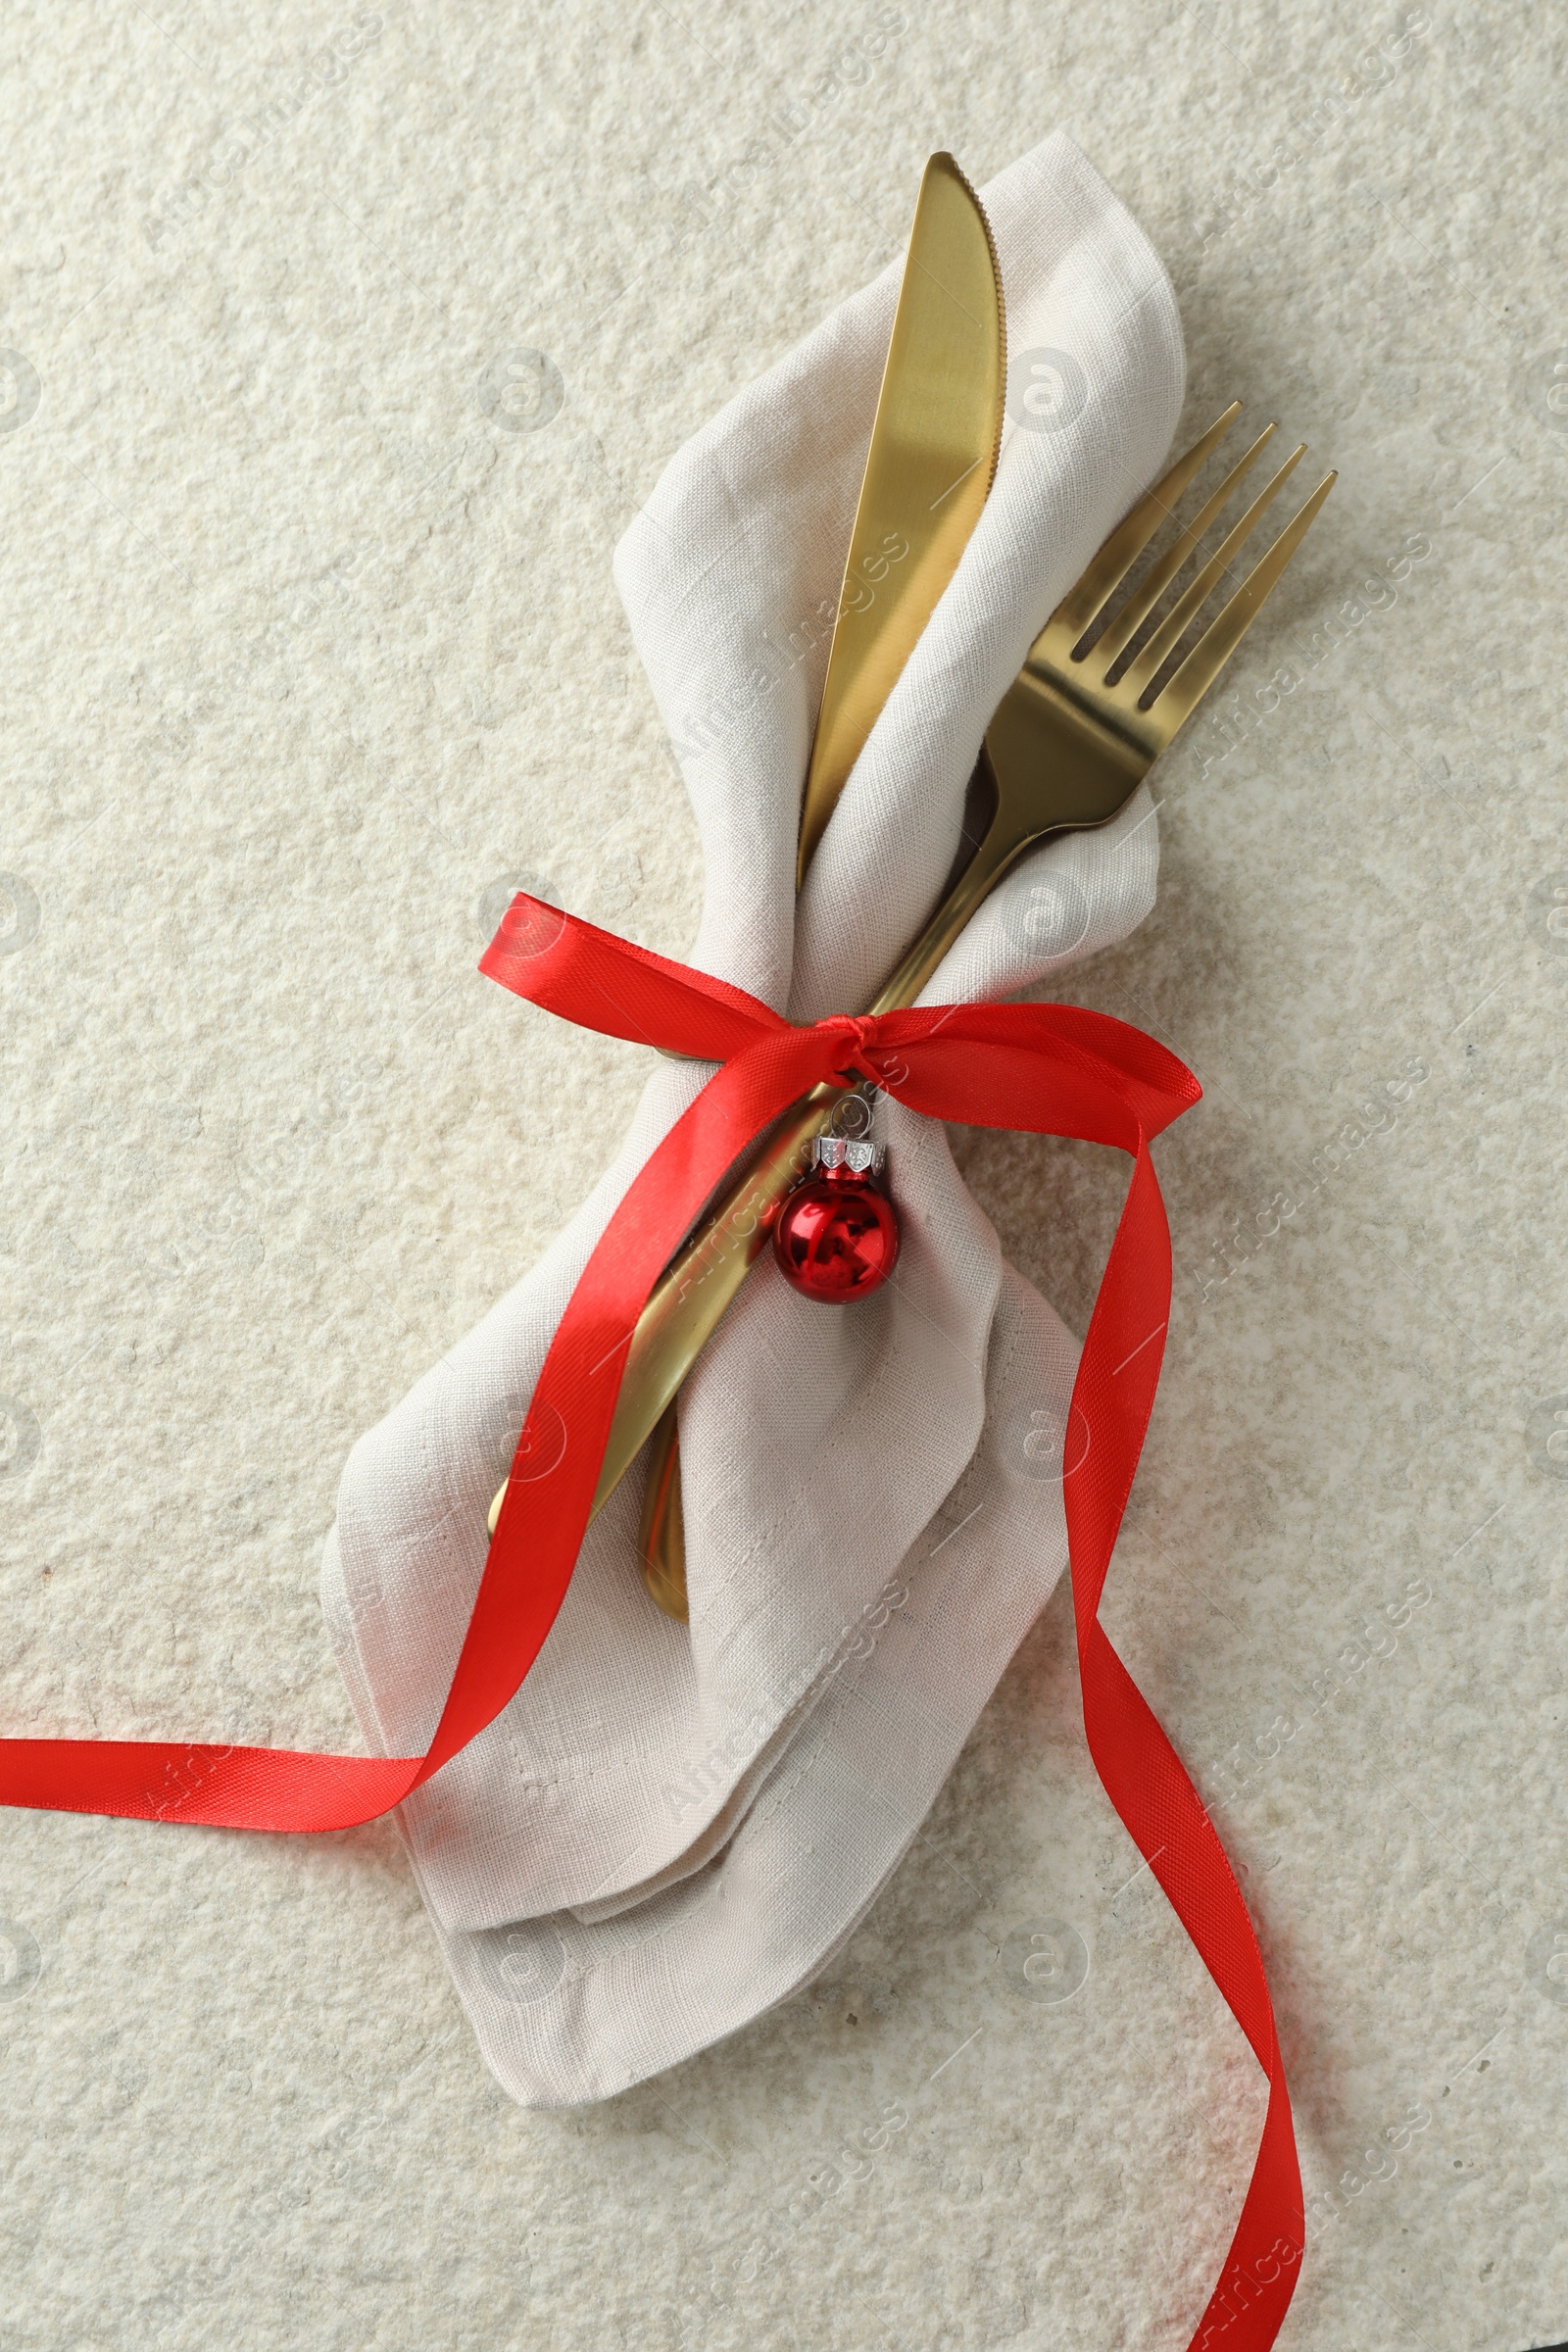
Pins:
x,y
203,1784
1140,1772
530,1563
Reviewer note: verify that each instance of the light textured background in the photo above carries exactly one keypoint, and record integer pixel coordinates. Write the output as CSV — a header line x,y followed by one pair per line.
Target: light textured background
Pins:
x,y
310,644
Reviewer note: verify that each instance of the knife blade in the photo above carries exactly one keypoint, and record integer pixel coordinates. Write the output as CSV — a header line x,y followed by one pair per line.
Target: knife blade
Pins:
x,y
932,459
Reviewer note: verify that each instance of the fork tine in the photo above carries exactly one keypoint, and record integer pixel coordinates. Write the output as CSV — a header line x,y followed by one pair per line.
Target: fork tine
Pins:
x,y
1177,701
1169,633
1131,535
1136,611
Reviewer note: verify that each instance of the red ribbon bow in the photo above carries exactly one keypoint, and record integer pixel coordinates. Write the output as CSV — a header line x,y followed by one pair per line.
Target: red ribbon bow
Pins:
x,y
1045,1069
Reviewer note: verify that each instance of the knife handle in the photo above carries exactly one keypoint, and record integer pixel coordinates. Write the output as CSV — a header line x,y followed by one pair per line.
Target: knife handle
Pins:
x,y
688,1302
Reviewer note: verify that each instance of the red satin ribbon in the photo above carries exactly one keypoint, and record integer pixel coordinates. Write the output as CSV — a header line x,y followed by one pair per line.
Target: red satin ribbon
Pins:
x,y
1046,1069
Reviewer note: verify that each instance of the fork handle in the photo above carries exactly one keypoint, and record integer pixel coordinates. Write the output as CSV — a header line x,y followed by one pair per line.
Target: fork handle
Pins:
x,y
999,850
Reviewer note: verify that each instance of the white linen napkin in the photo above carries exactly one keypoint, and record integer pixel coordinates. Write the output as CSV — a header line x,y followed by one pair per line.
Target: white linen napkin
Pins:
x,y
669,1829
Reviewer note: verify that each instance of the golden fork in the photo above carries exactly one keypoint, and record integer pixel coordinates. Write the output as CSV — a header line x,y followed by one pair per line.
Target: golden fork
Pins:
x,y
1096,701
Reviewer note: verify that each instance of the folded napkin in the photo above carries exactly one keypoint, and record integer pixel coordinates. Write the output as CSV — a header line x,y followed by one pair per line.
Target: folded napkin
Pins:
x,y
671,1829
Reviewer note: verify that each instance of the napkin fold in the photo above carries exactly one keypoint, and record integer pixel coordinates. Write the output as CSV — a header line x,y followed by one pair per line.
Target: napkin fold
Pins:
x,y
671,1829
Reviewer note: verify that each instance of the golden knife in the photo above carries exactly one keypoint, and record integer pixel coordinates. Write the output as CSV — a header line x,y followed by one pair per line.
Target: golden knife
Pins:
x,y
933,451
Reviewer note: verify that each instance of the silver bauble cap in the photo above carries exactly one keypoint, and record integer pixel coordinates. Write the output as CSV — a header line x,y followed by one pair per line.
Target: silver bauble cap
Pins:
x,y
839,1152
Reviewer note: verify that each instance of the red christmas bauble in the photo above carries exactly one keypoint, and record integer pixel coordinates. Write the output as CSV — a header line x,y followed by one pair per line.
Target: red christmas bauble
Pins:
x,y
837,1237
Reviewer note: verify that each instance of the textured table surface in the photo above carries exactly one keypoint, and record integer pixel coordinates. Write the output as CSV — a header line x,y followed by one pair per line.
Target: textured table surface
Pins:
x,y
311,646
